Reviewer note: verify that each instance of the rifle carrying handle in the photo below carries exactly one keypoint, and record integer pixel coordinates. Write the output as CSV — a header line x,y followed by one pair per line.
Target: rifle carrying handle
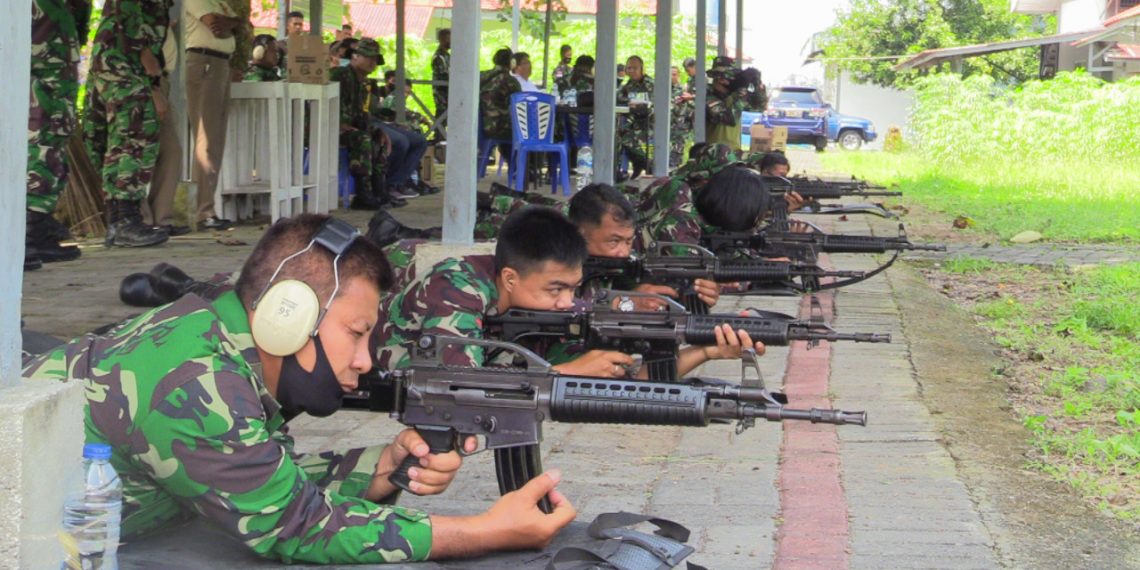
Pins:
x,y
439,440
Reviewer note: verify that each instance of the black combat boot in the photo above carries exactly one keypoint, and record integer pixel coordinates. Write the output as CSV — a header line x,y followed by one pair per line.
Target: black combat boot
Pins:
x,y
362,198
41,239
125,227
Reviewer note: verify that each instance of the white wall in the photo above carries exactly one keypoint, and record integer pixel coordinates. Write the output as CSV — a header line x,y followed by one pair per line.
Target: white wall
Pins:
x,y
1080,15
883,106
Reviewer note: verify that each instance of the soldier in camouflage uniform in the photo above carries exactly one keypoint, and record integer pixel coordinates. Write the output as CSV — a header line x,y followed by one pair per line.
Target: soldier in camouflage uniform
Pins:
x,y
366,142
563,69
124,108
680,120
496,86
59,31
264,61
441,71
580,79
637,128
195,411
665,211
724,104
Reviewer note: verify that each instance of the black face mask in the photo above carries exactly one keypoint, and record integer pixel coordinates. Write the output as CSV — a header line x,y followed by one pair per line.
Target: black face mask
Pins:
x,y
316,393
566,61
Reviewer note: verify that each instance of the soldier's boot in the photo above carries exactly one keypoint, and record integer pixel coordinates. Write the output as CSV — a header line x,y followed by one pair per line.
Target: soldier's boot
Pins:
x,y
381,194
41,241
364,199
125,227
383,229
638,164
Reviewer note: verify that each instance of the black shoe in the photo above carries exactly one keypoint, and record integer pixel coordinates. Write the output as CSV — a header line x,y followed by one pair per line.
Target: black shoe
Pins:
x,y
141,290
174,231
364,202
49,226
383,229
32,263
214,223
393,202
41,241
126,229
402,191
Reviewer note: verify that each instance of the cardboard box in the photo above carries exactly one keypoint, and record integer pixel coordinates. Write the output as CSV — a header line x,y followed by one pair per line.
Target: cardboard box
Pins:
x,y
308,60
764,139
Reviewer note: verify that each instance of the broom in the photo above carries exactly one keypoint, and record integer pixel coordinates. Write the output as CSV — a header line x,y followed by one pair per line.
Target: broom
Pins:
x,y
81,205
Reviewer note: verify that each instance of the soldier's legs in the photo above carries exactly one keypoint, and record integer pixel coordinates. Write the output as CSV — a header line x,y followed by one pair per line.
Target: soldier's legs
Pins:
x,y
360,164
94,127
128,164
51,120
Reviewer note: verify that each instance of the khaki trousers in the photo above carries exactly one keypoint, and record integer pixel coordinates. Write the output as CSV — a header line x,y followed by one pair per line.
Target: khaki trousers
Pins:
x,y
207,98
167,171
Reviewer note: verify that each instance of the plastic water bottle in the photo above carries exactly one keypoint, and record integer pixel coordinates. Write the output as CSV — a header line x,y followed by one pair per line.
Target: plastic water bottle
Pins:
x,y
92,518
571,96
585,166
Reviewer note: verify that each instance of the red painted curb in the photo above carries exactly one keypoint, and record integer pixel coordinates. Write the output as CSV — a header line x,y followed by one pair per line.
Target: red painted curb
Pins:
x,y
813,508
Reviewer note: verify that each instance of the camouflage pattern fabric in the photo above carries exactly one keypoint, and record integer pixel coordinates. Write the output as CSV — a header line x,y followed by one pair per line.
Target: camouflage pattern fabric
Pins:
x,y
723,117
364,142
440,71
122,138
488,222
563,70
243,37
59,31
578,80
177,392
259,73
495,90
666,211
680,126
635,130
450,298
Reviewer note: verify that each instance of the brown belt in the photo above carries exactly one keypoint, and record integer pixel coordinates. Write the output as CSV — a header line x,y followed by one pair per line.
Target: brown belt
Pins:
x,y
210,52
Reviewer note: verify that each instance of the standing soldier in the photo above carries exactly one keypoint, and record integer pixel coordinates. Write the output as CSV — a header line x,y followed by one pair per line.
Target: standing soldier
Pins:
x,y
566,54
581,78
636,129
495,89
681,120
59,30
725,104
441,71
125,106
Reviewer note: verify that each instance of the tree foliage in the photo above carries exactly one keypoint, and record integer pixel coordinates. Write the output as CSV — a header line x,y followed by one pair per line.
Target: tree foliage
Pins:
x,y
881,28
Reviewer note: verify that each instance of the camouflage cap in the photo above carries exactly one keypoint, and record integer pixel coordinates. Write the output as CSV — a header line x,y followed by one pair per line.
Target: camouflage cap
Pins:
x,y
723,67
710,159
366,47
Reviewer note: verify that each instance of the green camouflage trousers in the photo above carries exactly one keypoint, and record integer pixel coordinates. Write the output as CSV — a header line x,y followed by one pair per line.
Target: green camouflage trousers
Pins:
x,y
51,119
120,129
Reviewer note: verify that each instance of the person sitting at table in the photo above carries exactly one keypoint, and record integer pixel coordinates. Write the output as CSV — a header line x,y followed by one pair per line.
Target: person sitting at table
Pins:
x,y
264,60
521,71
193,397
636,130
496,85
581,79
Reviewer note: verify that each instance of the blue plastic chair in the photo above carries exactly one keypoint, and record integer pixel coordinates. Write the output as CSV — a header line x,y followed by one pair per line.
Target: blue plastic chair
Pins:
x,y
485,145
532,125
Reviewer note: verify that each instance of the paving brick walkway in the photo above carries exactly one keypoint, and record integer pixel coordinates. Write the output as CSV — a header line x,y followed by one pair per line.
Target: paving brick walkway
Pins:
x,y
1040,255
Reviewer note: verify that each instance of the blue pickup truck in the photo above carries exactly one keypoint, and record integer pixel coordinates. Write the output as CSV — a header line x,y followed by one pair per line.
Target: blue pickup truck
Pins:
x,y
810,120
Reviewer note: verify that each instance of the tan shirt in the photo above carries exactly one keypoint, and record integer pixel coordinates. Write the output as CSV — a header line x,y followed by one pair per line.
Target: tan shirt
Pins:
x,y
198,34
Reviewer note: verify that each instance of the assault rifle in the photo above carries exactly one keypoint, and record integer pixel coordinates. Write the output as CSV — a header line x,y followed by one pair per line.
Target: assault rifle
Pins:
x,y
655,335
806,246
764,277
814,190
506,406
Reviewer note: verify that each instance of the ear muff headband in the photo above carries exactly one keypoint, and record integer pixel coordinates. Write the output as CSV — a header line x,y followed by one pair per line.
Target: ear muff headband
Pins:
x,y
290,312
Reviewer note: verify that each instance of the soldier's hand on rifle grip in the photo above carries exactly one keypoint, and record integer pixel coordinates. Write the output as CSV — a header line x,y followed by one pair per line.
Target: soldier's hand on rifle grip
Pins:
x,y
598,363
794,200
707,291
650,304
421,466
730,345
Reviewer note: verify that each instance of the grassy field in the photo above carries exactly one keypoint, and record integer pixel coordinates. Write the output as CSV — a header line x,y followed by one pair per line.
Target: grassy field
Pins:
x,y
1071,202
1072,346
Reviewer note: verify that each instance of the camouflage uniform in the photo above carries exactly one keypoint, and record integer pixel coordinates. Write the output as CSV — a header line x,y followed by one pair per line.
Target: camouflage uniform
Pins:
x,y
495,89
562,71
666,211
259,73
177,392
680,126
440,71
723,110
243,37
358,109
580,81
636,130
120,123
488,222
59,31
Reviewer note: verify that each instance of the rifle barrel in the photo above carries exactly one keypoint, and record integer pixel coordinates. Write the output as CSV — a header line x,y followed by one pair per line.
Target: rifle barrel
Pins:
x,y
815,416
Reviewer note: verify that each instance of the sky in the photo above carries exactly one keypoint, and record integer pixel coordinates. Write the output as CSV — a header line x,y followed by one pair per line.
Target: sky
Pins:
x,y
776,32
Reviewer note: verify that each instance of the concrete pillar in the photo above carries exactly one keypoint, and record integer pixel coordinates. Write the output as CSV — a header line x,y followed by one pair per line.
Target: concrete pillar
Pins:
x,y
41,422
701,100
401,68
463,120
515,19
282,16
315,16
605,91
721,27
740,33
662,94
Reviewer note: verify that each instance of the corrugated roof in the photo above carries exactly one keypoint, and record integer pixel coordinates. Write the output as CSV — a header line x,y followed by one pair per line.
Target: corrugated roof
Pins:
x,y
1133,12
379,20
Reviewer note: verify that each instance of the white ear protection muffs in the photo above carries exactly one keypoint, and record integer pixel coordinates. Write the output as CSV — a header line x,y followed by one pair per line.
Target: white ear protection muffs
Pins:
x,y
287,314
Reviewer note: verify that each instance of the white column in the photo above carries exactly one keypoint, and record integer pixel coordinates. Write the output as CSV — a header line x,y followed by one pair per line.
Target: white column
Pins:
x,y
662,93
401,71
721,27
700,103
740,33
462,122
15,50
515,18
605,91
282,16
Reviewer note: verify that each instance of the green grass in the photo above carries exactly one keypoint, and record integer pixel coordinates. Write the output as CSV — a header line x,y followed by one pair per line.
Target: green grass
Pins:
x,y
1077,335
1069,202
